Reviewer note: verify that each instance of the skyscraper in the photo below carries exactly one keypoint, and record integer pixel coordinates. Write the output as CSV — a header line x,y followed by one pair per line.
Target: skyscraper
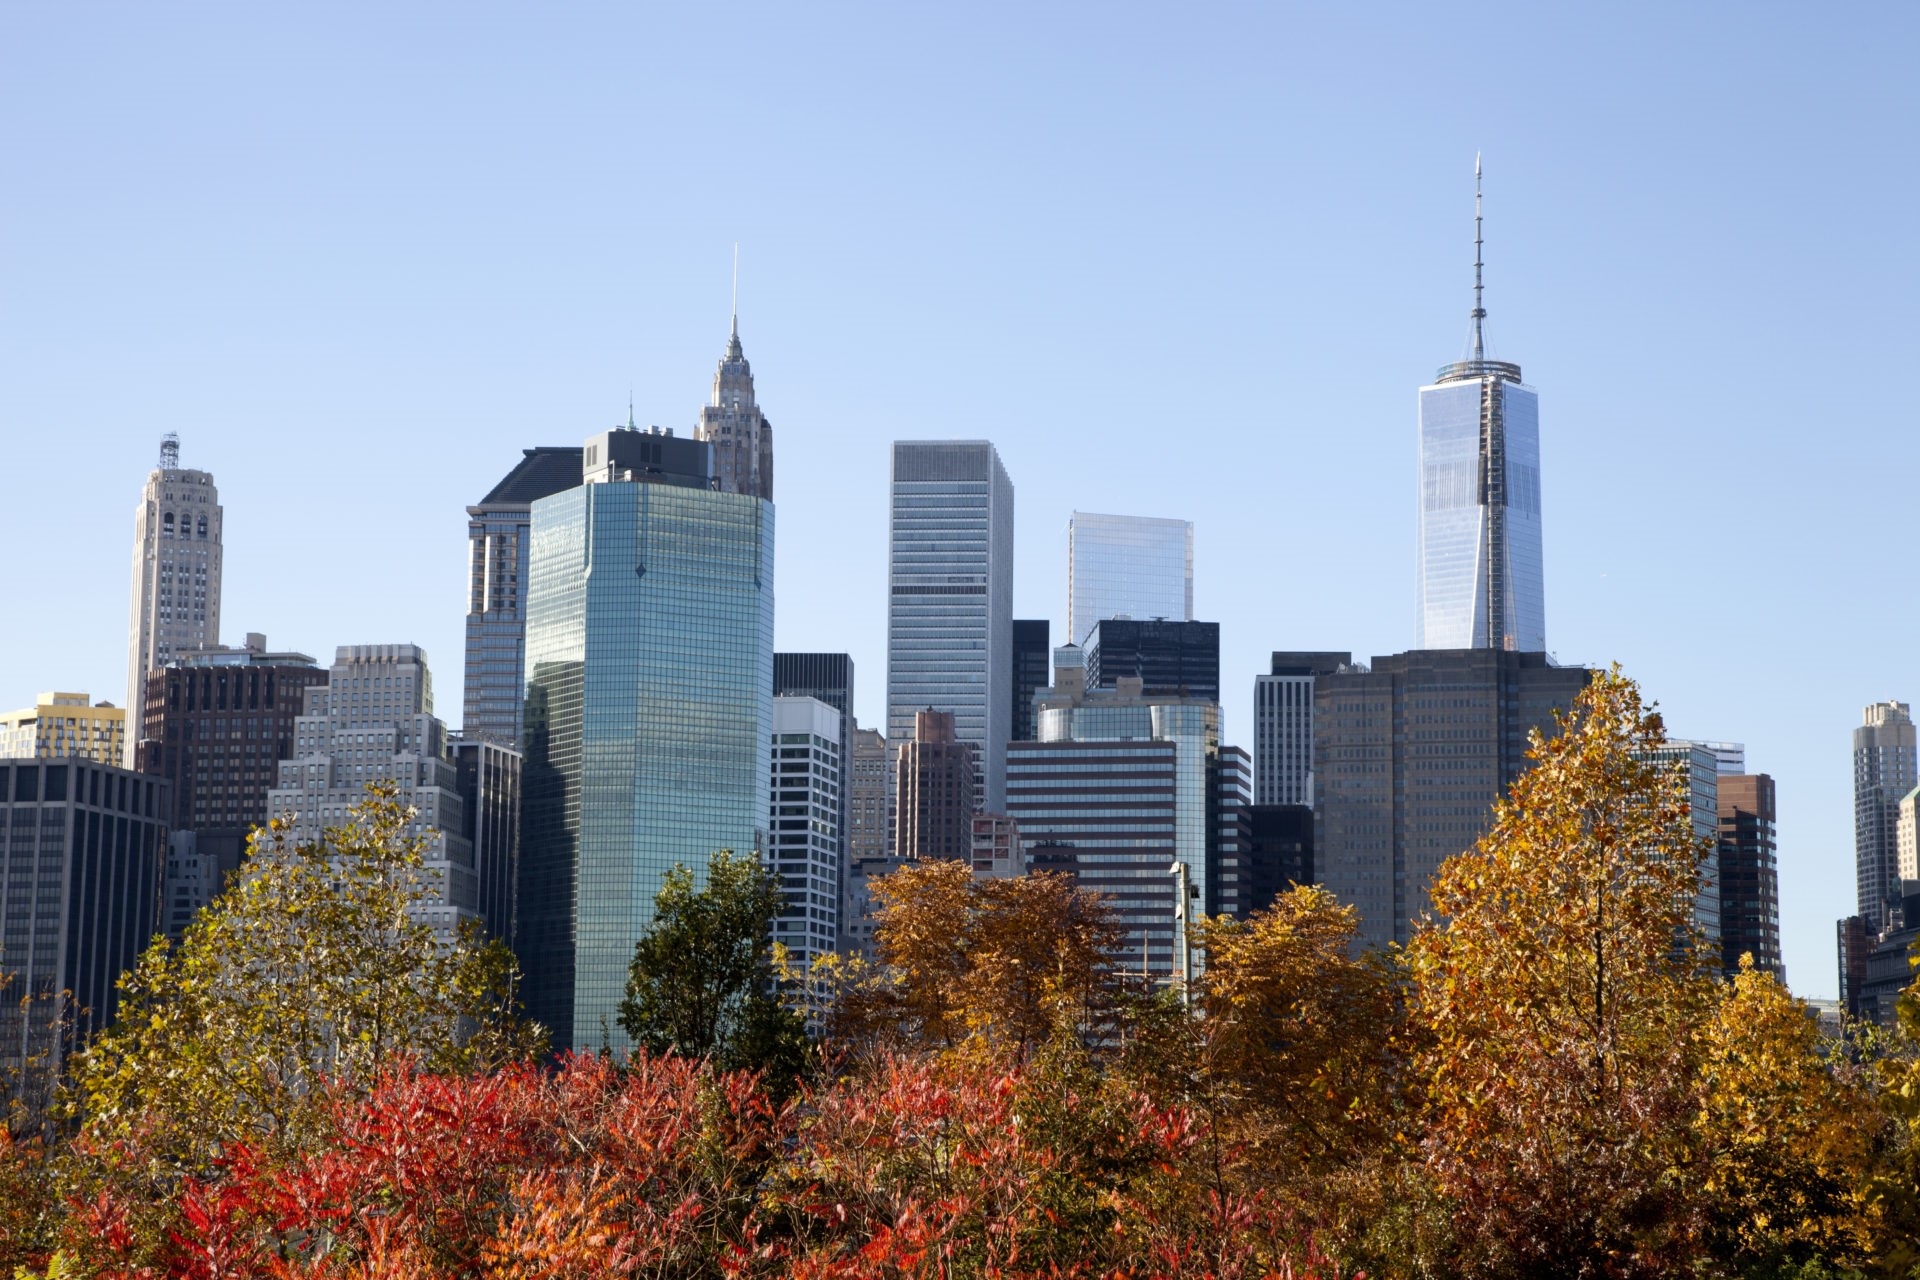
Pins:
x,y
1749,875
1283,726
804,849
1180,658
732,423
1884,769
66,724
934,794
649,720
950,600
869,838
497,532
1481,577
1127,567
1032,651
1408,759
371,722
828,677
176,574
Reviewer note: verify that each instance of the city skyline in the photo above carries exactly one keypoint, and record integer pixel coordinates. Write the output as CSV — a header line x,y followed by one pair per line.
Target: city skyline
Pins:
x,y
330,281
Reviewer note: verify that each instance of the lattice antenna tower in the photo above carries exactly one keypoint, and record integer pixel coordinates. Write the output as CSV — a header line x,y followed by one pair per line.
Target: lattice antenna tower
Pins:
x,y
1479,305
170,451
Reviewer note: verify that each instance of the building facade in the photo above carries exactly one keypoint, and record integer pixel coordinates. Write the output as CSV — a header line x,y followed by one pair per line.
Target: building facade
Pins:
x,y
997,854
65,725
1134,567
950,600
1129,791
83,845
1481,575
216,723
176,572
1884,770
1698,765
373,722
488,776
1283,726
1177,658
1749,874
1032,652
1409,757
933,792
803,843
732,423
649,718
499,527
869,837
1280,850
828,677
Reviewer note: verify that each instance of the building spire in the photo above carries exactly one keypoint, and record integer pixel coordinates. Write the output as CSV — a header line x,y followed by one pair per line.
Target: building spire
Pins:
x,y
631,425
1479,306
736,291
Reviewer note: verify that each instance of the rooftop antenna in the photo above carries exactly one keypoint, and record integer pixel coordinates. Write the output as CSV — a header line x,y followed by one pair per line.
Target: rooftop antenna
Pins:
x,y
631,426
170,451
1479,309
736,288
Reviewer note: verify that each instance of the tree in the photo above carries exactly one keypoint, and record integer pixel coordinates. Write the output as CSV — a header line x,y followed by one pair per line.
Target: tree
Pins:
x,y
315,965
702,982
1560,983
1007,961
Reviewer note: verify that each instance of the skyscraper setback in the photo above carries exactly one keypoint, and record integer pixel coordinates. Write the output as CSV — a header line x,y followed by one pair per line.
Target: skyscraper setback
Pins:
x,y
950,600
176,575
1481,577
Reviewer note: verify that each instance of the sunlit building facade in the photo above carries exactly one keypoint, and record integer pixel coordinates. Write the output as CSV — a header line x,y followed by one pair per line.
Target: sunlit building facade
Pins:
x,y
176,574
1136,567
649,717
65,724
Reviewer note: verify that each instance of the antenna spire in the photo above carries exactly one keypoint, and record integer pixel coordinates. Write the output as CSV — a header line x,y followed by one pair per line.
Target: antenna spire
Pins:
x,y
736,290
1479,307
631,425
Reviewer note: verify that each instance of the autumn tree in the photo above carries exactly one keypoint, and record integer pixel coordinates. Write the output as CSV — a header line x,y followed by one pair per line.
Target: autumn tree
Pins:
x,y
1007,961
702,982
316,964
1561,981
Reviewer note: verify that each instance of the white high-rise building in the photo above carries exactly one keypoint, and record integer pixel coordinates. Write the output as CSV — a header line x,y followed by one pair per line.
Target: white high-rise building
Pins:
x,y
1136,567
803,844
1481,578
176,575
373,721
950,601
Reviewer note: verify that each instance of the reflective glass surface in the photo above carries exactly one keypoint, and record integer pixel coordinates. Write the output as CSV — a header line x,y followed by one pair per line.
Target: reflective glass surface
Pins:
x,y
1127,566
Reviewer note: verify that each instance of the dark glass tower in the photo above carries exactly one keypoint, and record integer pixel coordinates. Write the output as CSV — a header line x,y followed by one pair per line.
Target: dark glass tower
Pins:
x,y
1174,659
1032,653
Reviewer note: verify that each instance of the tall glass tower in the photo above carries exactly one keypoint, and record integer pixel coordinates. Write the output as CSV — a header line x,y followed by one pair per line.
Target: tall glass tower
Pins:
x,y
1481,581
1135,567
950,600
649,716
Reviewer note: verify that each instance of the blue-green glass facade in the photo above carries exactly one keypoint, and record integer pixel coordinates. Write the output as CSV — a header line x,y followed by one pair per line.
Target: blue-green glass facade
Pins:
x,y
649,721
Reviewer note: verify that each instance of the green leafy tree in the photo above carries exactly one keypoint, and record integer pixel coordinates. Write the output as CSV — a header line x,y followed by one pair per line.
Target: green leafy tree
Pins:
x,y
315,965
702,983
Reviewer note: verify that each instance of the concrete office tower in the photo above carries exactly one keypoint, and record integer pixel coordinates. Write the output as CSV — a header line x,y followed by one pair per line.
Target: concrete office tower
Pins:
x,y
869,837
82,845
1127,567
1283,726
1181,658
1032,650
498,529
934,792
803,848
176,572
65,725
732,423
1408,759
1698,764
1481,575
373,722
649,718
1749,874
216,723
1884,769
1119,787
828,677
950,600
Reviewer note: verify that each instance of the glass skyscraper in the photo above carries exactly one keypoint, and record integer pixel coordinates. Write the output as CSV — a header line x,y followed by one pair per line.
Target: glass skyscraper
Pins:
x,y
1481,579
649,714
950,600
1127,566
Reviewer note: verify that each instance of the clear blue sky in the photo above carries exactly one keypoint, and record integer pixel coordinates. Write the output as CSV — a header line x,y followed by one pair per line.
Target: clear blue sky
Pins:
x,y
1174,260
